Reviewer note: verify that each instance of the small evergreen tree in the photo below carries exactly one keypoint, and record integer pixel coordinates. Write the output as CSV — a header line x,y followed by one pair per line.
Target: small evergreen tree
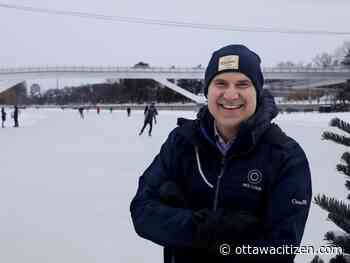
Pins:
x,y
317,259
338,211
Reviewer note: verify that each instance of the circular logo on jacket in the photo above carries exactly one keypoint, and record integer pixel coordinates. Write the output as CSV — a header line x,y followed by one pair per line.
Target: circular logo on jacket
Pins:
x,y
254,176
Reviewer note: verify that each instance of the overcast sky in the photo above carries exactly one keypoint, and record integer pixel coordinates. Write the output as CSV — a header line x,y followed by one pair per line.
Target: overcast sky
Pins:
x,y
29,38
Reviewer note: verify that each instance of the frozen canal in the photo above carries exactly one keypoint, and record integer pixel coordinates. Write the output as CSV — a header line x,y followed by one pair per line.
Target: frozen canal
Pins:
x,y
66,183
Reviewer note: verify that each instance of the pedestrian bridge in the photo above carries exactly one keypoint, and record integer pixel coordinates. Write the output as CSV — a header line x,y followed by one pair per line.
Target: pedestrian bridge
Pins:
x,y
162,74
7,73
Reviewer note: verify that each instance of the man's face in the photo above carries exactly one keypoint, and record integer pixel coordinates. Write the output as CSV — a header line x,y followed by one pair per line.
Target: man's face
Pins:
x,y
231,100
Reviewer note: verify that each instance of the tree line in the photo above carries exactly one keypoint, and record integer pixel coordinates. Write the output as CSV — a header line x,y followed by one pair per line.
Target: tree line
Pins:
x,y
121,91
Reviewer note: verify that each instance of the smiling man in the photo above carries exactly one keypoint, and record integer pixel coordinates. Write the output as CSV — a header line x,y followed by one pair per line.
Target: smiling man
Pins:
x,y
231,100
229,177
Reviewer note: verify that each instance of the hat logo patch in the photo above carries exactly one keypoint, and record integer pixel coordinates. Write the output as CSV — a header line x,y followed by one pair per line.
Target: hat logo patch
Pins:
x,y
228,62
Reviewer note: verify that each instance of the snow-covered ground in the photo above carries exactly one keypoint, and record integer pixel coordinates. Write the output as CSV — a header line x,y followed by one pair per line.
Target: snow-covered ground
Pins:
x,y
66,183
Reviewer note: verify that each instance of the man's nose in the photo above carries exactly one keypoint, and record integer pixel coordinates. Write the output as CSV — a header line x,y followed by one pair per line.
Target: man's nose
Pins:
x,y
231,93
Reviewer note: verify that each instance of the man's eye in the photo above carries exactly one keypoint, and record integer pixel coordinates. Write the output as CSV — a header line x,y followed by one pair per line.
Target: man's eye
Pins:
x,y
243,85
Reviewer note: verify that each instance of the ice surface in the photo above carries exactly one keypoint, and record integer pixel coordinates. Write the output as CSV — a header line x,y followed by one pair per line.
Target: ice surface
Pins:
x,y
66,183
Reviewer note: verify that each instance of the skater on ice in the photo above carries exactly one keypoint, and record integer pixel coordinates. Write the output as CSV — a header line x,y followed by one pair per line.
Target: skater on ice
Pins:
x,y
150,116
128,111
15,116
81,112
3,117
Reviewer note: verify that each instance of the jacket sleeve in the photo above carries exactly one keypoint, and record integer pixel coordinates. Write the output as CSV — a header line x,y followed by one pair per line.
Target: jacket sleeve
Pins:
x,y
287,208
153,220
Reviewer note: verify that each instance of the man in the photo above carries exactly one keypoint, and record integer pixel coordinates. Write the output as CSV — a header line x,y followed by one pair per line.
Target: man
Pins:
x,y
150,115
145,110
128,111
81,112
15,116
154,112
228,177
3,117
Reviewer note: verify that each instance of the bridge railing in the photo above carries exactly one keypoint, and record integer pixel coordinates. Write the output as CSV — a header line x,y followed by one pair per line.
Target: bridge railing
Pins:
x,y
40,69
96,69
306,69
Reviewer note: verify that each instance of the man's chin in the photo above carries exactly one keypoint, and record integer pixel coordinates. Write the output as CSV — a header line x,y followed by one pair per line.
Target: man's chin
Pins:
x,y
231,124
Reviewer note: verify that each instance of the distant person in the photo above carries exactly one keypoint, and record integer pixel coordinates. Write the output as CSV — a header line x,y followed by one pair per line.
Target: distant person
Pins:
x,y
128,111
149,117
15,116
111,109
3,117
145,111
155,113
81,112
98,109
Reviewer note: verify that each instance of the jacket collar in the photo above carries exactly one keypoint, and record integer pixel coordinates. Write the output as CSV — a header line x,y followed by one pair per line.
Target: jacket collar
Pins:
x,y
250,131
200,132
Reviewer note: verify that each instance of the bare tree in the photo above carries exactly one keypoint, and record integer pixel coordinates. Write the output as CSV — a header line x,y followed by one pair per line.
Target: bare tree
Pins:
x,y
323,60
341,52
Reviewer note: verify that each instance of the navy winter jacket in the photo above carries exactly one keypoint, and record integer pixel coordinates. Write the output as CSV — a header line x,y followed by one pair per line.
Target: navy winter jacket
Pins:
x,y
150,114
270,180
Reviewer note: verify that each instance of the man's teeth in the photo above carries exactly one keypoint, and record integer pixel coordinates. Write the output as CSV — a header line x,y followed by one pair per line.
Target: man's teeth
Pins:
x,y
231,107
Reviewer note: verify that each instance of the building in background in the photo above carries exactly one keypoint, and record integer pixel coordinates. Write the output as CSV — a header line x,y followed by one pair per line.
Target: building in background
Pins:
x,y
17,94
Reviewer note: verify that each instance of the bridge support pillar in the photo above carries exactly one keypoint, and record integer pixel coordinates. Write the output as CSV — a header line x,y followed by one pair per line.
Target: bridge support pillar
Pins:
x,y
187,94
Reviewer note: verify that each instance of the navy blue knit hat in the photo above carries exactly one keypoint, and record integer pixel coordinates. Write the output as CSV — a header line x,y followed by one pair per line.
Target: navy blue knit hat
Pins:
x,y
235,58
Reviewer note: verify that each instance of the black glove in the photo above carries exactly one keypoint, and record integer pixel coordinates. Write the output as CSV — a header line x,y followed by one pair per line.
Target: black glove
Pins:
x,y
223,226
172,195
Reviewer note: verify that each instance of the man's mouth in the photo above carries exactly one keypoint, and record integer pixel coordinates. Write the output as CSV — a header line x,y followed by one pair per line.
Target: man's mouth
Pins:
x,y
231,107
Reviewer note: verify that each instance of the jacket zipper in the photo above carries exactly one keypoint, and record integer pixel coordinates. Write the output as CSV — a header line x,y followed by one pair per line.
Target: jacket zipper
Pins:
x,y
222,169
216,198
